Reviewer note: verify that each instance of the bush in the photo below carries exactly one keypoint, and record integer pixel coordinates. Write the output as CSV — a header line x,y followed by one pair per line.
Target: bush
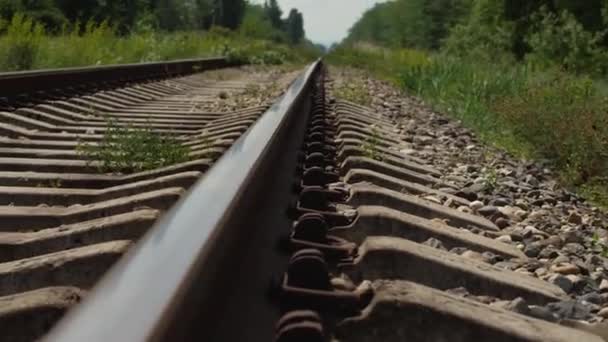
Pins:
x,y
561,40
564,118
484,35
21,44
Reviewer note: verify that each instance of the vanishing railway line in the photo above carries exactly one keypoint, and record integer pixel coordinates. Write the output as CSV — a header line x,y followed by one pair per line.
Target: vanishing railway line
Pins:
x,y
307,225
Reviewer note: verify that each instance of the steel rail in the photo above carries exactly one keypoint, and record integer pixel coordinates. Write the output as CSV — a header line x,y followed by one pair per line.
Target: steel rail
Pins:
x,y
195,274
26,82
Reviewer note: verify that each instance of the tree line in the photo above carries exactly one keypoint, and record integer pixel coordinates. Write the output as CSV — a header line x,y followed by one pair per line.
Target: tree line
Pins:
x,y
554,29
166,15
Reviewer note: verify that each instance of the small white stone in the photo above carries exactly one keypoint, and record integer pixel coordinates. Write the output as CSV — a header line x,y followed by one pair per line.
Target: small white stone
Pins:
x,y
476,205
504,238
433,199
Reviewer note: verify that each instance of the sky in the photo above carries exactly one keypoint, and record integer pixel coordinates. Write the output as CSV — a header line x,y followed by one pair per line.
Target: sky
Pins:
x,y
327,21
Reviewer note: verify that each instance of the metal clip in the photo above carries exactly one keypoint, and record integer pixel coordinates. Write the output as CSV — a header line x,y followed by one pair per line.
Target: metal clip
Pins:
x,y
306,285
310,231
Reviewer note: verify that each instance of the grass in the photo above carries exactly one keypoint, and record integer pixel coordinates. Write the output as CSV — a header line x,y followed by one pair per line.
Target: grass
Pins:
x,y
355,92
24,45
127,150
370,145
599,245
547,114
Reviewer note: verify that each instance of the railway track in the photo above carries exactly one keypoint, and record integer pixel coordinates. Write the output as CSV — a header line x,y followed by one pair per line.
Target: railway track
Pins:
x,y
311,226
64,222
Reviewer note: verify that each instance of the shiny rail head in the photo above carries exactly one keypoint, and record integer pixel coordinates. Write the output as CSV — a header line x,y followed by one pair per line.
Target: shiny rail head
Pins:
x,y
139,295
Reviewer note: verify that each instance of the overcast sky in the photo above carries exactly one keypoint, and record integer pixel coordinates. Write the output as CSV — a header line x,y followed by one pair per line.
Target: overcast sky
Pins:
x,y
327,21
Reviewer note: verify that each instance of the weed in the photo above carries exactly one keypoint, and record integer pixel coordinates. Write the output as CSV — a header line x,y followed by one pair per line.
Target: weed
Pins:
x,y
126,149
596,190
599,245
55,183
253,90
52,183
355,92
490,179
569,125
370,145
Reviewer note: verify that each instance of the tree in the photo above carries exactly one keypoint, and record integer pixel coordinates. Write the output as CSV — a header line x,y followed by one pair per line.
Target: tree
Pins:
x,y
202,14
274,13
168,15
295,26
229,13
256,24
42,11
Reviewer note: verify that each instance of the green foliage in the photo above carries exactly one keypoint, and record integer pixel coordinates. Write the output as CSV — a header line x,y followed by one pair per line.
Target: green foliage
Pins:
x,y
256,24
27,46
462,87
596,190
229,13
548,113
559,39
355,92
20,47
569,126
523,74
371,145
599,245
295,26
409,23
147,16
260,53
490,179
484,34
387,63
41,11
169,15
274,13
127,150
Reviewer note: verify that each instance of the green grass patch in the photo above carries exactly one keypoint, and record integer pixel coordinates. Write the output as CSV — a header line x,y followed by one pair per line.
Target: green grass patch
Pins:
x,y
355,92
370,145
124,149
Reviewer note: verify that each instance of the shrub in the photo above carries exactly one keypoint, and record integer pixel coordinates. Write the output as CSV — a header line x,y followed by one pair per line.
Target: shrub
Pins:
x,y
484,35
559,39
20,45
564,118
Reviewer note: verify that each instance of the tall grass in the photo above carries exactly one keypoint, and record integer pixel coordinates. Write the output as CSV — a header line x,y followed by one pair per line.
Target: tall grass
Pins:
x,y
24,45
547,113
